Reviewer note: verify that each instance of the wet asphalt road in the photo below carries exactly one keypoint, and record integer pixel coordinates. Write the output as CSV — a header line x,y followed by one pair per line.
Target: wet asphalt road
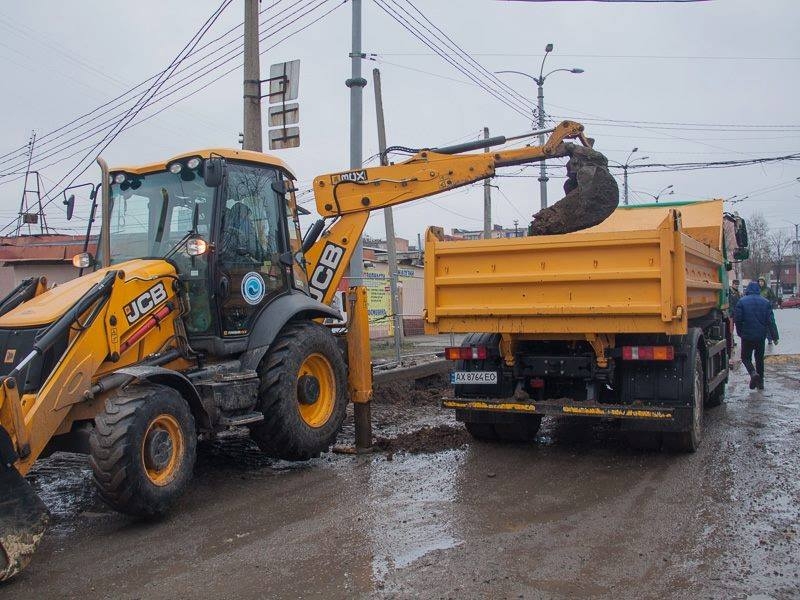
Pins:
x,y
578,514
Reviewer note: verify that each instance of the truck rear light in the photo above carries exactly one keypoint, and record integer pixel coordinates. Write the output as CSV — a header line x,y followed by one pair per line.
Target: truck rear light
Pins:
x,y
465,353
537,383
648,352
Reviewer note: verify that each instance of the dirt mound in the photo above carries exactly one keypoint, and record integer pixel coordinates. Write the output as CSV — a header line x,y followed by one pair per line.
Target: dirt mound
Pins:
x,y
423,391
425,440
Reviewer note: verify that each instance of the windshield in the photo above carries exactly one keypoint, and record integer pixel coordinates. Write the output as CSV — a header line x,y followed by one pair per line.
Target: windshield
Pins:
x,y
151,213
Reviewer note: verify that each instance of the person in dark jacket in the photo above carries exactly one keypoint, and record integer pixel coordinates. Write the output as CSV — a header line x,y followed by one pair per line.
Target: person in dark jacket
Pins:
x,y
754,323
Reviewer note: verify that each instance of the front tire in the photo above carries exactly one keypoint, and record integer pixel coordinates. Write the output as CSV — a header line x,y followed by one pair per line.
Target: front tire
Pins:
x,y
303,393
143,449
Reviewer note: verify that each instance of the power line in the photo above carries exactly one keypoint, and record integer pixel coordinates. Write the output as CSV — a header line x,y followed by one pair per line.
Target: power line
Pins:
x,y
281,21
404,22
181,84
144,100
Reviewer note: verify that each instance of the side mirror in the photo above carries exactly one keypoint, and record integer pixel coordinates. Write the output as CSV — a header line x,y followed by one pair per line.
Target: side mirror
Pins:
x,y
70,204
741,254
741,233
213,169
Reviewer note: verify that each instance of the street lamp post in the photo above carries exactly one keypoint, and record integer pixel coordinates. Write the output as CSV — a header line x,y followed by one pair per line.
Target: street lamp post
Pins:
x,y
657,196
624,167
796,252
540,104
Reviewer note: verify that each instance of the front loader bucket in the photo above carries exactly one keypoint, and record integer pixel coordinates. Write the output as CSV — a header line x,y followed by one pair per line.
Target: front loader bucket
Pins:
x,y
23,520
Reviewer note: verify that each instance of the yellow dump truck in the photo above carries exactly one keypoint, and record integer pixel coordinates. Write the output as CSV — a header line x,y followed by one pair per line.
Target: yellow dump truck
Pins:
x,y
626,320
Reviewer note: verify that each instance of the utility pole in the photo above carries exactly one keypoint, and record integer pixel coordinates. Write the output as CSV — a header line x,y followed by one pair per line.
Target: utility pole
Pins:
x,y
625,183
362,411
356,83
542,166
487,197
252,79
391,249
796,249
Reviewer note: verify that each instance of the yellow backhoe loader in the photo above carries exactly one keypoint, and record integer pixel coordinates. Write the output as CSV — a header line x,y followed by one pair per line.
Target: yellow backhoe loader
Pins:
x,y
202,310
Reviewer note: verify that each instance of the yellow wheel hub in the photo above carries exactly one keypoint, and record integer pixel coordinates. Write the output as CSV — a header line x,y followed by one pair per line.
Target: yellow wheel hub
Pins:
x,y
162,449
316,390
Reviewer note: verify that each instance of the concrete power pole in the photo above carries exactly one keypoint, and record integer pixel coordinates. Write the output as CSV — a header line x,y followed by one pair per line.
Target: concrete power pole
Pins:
x,y
391,249
356,83
362,411
542,166
487,198
796,259
252,79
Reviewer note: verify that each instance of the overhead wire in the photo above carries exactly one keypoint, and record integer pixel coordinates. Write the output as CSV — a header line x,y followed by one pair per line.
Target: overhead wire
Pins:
x,y
404,20
145,99
177,85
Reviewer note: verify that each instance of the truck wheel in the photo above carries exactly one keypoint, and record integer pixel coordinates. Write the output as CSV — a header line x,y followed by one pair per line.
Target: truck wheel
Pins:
x,y
481,431
303,393
142,449
644,440
689,440
522,429
716,397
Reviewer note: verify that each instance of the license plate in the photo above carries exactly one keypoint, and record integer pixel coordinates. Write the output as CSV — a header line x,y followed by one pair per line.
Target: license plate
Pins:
x,y
473,377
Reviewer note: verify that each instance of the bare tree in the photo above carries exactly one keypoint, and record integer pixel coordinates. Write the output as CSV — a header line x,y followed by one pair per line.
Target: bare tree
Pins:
x,y
779,244
760,247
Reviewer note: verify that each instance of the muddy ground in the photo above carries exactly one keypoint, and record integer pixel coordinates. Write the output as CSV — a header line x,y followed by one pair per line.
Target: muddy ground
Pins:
x,y
577,514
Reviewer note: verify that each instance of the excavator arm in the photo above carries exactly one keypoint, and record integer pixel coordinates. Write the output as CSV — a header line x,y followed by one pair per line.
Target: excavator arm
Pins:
x,y
350,196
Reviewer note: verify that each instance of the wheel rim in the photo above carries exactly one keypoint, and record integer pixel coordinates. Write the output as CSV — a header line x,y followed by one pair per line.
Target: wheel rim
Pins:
x,y
162,449
316,408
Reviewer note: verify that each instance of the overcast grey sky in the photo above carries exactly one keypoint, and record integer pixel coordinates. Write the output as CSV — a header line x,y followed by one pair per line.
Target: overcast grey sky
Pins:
x,y
724,62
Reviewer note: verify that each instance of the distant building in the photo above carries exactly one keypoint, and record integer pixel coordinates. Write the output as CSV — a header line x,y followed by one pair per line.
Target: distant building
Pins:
x,y
498,231
36,255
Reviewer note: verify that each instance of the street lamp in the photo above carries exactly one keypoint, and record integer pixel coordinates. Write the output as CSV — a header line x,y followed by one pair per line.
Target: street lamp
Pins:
x,y
659,194
796,252
540,97
625,166
735,199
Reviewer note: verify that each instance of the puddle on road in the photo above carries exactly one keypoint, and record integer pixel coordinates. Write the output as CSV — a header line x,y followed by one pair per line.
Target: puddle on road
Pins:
x,y
409,516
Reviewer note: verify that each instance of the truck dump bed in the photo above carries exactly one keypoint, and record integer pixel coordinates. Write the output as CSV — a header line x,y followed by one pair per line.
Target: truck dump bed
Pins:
x,y
643,270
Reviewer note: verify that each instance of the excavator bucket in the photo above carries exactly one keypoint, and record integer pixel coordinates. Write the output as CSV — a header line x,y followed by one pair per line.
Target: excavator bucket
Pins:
x,y
591,196
23,520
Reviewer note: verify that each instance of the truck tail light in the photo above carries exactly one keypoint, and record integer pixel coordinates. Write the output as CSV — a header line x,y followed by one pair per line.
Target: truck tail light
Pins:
x,y
648,352
465,353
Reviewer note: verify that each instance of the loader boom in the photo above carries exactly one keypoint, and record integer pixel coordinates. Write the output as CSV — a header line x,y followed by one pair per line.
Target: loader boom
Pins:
x,y
350,196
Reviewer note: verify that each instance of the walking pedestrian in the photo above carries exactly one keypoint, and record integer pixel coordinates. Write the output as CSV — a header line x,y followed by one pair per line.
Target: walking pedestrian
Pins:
x,y
755,322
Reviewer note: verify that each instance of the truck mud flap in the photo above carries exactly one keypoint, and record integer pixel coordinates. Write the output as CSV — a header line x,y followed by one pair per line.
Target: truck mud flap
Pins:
x,y
23,520
666,415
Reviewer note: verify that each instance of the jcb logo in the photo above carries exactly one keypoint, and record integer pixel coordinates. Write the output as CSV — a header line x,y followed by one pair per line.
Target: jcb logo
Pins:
x,y
142,305
323,275
355,176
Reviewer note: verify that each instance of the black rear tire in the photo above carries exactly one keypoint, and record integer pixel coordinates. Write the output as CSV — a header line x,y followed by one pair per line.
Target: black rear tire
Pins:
x,y
143,449
648,441
689,440
481,431
303,393
716,397
522,429
513,428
